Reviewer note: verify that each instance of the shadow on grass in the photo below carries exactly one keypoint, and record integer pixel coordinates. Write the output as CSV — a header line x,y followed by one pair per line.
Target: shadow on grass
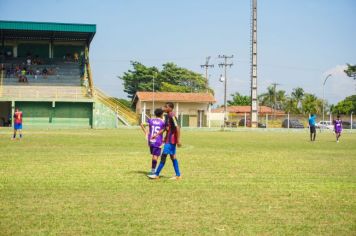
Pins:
x,y
145,173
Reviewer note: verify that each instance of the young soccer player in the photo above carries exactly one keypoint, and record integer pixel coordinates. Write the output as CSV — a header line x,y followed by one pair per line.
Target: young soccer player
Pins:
x,y
155,136
337,127
17,123
171,140
312,127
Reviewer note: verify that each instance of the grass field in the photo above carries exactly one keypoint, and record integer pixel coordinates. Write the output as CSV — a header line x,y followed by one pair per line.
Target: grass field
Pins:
x,y
93,182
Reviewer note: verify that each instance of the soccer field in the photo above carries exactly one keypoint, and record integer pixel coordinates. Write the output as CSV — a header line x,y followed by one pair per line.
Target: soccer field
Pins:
x,y
86,182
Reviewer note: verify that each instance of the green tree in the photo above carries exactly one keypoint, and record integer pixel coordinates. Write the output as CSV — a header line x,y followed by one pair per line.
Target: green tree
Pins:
x,y
346,106
181,79
139,79
170,79
239,100
266,99
297,96
291,106
351,71
311,104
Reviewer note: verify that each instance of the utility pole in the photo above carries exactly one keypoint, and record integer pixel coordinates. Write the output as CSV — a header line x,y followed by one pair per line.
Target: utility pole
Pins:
x,y
206,66
275,98
225,65
254,100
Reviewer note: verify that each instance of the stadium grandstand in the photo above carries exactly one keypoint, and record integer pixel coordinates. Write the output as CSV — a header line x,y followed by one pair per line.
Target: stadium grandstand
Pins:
x,y
45,72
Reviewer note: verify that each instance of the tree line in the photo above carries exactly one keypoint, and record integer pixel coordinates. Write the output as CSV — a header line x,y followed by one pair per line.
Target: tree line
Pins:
x,y
172,78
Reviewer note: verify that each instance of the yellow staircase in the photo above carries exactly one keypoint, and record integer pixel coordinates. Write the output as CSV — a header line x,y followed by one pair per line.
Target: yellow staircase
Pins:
x,y
125,115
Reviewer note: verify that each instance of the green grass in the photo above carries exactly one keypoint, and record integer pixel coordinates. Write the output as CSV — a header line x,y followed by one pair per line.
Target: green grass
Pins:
x,y
86,182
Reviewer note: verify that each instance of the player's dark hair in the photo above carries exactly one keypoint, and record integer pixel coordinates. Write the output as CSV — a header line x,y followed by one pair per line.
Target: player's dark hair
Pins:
x,y
338,116
170,104
158,112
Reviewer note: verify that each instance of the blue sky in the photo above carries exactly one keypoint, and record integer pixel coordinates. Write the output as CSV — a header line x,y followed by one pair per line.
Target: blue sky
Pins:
x,y
299,42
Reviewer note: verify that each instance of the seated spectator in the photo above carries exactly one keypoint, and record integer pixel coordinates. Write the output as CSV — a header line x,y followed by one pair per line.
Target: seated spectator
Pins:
x,y
45,73
51,71
8,54
76,57
37,73
23,71
28,61
23,77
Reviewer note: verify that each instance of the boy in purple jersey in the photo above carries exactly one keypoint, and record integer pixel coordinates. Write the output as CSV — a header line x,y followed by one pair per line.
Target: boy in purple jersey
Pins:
x,y
171,141
337,128
154,136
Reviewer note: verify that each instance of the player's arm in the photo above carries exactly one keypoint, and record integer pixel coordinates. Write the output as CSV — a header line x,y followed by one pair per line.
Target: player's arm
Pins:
x,y
175,122
158,134
143,127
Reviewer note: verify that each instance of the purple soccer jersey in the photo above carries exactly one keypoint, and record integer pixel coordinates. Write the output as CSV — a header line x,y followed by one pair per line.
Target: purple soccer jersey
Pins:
x,y
337,126
155,125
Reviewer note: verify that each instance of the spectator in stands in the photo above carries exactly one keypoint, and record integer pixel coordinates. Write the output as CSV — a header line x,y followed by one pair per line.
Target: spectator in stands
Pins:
x,y
45,73
51,71
28,61
36,60
8,54
37,73
23,77
76,57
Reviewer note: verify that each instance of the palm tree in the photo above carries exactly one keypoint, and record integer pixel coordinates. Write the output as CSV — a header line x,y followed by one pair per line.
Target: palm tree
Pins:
x,y
310,103
298,95
266,99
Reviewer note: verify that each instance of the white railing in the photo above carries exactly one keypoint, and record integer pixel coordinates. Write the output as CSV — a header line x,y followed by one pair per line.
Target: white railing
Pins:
x,y
43,92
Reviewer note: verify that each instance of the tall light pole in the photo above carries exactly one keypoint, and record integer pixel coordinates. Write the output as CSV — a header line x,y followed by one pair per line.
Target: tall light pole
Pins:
x,y
153,92
254,98
225,64
326,78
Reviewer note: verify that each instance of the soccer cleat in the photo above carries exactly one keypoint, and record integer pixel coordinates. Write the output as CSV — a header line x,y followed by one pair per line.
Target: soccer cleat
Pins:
x,y
154,176
176,178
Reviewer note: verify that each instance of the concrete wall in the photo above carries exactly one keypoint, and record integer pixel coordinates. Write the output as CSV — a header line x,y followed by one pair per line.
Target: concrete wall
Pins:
x,y
104,117
56,114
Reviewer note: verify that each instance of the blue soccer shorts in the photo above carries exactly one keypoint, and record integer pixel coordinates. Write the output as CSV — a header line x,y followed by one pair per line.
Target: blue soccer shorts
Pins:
x,y
169,149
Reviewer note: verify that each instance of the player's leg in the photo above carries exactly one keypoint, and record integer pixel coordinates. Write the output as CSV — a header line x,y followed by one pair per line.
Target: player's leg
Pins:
x,y
175,161
14,135
338,136
15,131
311,135
20,133
314,134
154,164
175,166
161,163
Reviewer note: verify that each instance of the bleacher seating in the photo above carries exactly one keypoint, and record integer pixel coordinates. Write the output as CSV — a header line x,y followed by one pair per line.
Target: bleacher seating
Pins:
x,y
65,73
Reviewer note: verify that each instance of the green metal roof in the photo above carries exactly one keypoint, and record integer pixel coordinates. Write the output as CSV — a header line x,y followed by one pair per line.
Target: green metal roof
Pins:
x,y
21,29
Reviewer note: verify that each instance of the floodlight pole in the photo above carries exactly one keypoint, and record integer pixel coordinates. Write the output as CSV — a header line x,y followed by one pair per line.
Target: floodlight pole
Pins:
x,y
254,98
327,77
